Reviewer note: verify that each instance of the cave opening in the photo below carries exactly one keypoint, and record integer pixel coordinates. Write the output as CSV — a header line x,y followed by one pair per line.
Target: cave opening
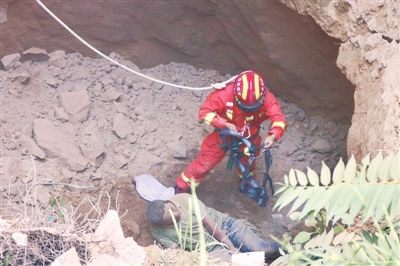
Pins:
x,y
177,42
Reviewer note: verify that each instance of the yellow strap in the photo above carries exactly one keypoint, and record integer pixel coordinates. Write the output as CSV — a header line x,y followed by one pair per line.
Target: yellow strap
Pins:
x,y
241,176
279,124
187,180
209,118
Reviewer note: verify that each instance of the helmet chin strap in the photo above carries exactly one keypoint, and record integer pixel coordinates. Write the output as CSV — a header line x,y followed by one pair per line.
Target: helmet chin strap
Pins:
x,y
239,114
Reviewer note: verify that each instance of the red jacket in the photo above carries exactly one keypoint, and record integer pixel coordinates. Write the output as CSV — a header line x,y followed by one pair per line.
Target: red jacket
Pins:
x,y
220,107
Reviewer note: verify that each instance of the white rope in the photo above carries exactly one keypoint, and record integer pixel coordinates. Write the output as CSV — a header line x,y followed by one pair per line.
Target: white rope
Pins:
x,y
213,86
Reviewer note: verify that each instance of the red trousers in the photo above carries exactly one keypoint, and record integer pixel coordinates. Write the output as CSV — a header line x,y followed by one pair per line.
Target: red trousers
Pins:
x,y
210,155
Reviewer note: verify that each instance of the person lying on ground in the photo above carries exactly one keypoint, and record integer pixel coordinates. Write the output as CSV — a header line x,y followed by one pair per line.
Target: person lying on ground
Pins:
x,y
224,235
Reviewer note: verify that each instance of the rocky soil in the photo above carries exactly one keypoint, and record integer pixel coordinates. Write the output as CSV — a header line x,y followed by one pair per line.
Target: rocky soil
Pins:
x,y
75,127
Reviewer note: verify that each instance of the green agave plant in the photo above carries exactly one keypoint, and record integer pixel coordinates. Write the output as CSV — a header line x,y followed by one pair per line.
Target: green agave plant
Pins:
x,y
370,191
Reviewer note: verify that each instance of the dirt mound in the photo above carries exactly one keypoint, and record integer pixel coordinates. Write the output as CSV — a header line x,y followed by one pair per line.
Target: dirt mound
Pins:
x,y
89,125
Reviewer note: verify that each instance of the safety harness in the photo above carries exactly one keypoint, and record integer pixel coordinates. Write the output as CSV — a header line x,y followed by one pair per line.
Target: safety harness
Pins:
x,y
248,185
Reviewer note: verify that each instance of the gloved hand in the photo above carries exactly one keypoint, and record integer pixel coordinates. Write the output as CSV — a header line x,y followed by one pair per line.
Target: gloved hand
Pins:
x,y
269,141
231,126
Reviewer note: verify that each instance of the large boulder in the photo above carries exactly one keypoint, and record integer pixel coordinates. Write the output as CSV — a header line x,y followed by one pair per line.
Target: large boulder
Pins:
x,y
55,144
108,246
76,104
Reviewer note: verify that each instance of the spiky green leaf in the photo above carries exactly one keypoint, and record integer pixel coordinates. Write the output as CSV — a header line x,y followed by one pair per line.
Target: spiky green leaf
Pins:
x,y
318,193
310,222
343,203
310,214
348,252
338,172
371,237
350,171
302,237
385,167
302,178
394,245
339,238
295,216
286,180
325,175
374,166
346,219
372,198
324,202
338,229
292,178
332,207
282,198
359,200
362,174
385,199
395,205
348,237
395,169
288,196
365,161
329,237
383,245
320,238
312,177
305,195
55,201
280,190
311,244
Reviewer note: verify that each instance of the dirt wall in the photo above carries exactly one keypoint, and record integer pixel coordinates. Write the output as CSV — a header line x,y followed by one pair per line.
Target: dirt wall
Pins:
x,y
291,51
369,56
296,45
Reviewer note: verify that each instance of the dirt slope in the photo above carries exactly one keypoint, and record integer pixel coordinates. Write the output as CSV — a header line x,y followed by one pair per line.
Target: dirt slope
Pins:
x,y
87,122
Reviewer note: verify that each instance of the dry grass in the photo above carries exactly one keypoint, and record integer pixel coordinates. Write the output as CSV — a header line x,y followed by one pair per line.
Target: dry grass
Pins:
x,y
49,237
53,229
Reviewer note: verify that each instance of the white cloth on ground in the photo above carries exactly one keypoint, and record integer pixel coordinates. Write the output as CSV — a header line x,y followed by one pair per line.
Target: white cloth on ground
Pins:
x,y
150,189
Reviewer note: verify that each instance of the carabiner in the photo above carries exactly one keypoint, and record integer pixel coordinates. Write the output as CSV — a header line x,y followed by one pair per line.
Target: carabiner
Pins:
x,y
243,131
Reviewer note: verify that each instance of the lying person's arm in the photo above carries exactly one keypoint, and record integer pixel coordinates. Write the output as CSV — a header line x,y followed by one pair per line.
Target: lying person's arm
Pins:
x,y
217,232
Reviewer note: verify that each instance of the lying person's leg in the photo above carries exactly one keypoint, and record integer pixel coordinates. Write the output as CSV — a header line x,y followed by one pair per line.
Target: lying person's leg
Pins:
x,y
244,238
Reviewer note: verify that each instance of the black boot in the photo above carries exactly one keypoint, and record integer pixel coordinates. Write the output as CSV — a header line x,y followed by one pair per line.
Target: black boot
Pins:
x,y
179,190
272,251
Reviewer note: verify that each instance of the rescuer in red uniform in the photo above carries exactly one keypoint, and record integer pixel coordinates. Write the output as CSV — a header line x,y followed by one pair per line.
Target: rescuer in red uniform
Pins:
x,y
241,106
